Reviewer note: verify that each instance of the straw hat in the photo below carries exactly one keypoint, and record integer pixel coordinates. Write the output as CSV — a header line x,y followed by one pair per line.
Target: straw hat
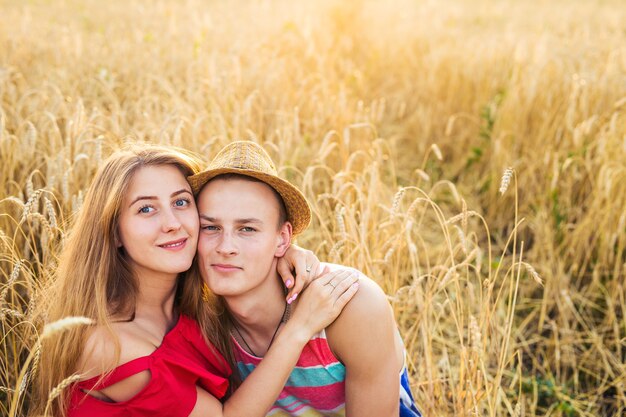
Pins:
x,y
249,159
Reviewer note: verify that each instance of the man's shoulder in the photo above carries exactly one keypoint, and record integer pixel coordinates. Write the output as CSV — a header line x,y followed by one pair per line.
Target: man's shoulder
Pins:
x,y
364,338
364,318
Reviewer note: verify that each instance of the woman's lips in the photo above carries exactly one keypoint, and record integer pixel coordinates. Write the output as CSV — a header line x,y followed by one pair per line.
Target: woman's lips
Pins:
x,y
174,245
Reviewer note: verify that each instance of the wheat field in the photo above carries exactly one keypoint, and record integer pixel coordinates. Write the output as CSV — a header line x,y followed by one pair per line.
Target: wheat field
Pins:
x,y
470,156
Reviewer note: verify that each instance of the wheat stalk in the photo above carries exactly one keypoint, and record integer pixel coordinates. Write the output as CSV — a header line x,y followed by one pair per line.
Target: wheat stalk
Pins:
x,y
462,217
50,212
58,326
533,273
15,273
57,390
31,204
506,180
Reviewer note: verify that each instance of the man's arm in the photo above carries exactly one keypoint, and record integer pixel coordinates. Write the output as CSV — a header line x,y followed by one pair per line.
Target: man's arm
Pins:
x,y
364,339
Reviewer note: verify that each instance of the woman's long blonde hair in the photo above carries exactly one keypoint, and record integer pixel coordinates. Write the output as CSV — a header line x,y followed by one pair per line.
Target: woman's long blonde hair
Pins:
x,y
93,278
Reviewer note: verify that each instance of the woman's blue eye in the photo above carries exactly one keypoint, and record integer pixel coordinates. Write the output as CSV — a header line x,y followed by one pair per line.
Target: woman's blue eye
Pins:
x,y
146,209
181,202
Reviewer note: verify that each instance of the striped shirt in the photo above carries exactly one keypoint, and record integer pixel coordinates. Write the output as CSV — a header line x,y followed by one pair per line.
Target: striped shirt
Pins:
x,y
316,386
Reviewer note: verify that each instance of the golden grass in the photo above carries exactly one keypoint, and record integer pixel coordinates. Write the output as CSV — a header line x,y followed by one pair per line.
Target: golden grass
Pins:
x,y
397,120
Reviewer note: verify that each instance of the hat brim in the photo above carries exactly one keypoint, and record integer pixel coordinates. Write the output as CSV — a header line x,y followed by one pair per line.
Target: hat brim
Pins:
x,y
298,210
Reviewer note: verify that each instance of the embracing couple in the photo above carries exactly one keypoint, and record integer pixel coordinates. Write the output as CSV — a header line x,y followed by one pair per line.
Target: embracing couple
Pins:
x,y
181,269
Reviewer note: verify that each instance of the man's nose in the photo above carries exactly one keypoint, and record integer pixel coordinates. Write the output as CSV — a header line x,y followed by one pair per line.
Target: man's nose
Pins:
x,y
226,245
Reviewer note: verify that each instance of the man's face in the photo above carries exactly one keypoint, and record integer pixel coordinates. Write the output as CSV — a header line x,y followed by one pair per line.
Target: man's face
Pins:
x,y
239,235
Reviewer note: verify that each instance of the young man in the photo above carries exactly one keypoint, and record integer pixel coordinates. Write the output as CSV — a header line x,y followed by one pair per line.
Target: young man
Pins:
x,y
248,216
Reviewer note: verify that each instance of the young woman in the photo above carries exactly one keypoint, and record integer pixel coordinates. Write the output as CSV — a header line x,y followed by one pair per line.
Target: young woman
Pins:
x,y
123,266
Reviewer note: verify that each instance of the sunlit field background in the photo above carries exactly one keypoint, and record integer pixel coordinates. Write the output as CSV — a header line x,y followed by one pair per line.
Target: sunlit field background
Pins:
x,y
398,120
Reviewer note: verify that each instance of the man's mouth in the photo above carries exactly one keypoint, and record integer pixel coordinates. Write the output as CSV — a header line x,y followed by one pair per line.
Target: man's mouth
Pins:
x,y
226,267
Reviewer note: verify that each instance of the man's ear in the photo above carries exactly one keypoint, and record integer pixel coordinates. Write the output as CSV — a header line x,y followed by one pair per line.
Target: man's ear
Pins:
x,y
284,239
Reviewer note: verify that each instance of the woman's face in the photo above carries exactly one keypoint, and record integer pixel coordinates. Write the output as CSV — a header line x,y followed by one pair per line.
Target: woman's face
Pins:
x,y
158,223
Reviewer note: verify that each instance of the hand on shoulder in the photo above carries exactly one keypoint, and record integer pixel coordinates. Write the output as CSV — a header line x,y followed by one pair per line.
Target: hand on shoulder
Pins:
x,y
369,301
324,300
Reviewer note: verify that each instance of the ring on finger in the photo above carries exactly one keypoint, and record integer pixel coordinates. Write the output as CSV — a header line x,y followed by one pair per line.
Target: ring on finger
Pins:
x,y
331,284
308,268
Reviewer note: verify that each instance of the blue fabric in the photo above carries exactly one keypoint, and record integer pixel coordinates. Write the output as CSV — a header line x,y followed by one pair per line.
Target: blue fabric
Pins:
x,y
407,403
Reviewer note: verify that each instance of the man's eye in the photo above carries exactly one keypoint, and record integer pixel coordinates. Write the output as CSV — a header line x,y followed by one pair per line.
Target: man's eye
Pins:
x,y
209,227
248,229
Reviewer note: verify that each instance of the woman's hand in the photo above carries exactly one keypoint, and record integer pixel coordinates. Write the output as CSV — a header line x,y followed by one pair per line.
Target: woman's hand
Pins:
x,y
324,299
307,268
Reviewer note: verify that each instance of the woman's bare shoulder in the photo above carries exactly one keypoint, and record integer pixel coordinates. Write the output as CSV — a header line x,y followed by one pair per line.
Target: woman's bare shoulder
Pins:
x,y
107,347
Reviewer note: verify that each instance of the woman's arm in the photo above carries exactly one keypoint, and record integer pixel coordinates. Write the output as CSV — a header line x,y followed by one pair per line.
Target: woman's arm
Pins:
x,y
320,305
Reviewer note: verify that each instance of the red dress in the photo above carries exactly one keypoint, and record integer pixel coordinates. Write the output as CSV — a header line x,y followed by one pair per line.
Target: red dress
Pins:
x,y
183,361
